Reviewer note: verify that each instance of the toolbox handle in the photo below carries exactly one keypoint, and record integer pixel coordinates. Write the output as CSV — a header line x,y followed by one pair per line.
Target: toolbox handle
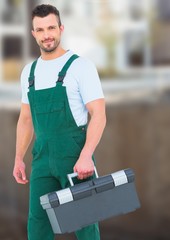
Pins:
x,y
72,175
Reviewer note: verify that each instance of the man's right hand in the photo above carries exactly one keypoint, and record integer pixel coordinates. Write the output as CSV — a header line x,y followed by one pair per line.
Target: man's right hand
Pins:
x,y
19,172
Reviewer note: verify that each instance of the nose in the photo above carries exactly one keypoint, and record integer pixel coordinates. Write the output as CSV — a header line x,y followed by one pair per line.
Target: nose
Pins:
x,y
46,34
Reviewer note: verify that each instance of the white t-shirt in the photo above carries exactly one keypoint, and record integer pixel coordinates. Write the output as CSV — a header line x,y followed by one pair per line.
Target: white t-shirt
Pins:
x,y
82,82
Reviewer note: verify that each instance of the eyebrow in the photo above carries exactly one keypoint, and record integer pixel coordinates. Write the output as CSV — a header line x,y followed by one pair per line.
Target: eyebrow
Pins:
x,y
36,29
39,28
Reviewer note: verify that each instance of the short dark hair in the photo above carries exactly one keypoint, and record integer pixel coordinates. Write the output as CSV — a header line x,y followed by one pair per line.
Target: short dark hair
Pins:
x,y
44,10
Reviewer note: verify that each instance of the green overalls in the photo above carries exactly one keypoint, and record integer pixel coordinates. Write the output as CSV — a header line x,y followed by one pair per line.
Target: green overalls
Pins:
x,y
56,149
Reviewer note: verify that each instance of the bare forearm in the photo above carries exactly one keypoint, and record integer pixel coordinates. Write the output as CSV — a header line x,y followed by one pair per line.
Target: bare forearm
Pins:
x,y
94,133
24,137
84,165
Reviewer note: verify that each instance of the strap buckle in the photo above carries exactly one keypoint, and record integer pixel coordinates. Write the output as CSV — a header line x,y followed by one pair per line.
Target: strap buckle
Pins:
x,y
61,78
31,82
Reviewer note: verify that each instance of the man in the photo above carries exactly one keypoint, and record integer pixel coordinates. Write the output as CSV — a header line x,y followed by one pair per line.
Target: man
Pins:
x,y
58,91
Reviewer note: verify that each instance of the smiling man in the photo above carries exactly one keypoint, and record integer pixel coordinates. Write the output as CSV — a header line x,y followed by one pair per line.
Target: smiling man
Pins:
x,y
47,36
59,89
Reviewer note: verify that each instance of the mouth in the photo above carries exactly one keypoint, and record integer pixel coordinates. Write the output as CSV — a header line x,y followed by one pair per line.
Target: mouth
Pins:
x,y
48,41
49,44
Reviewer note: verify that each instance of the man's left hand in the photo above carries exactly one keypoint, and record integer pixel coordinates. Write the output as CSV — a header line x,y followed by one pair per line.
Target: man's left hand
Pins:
x,y
84,167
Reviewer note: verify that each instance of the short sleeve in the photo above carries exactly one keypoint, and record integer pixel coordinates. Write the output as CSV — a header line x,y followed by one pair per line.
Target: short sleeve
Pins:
x,y
89,81
24,83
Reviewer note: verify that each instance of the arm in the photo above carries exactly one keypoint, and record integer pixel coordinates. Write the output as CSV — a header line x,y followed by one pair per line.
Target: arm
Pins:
x,y
23,139
84,165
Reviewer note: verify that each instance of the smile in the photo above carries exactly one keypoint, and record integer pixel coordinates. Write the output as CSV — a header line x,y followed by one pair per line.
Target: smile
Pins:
x,y
48,41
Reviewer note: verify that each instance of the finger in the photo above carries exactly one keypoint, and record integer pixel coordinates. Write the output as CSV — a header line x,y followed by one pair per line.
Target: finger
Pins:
x,y
18,178
74,169
80,175
88,174
91,173
23,175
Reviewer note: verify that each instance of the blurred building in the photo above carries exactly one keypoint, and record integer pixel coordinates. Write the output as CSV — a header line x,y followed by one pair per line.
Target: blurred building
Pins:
x,y
160,33
13,38
124,38
120,36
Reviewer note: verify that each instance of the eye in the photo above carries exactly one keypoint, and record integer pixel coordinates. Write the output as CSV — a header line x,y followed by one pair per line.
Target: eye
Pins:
x,y
52,27
39,30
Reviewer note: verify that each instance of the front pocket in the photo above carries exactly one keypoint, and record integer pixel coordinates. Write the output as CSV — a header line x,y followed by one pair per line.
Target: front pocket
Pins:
x,y
66,147
49,117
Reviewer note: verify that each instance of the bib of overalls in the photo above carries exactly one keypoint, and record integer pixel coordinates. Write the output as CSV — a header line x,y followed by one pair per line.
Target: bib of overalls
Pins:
x,y
53,120
49,107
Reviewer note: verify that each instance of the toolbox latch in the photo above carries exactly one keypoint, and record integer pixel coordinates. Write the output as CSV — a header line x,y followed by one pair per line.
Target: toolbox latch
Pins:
x,y
53,199
82,190
103,183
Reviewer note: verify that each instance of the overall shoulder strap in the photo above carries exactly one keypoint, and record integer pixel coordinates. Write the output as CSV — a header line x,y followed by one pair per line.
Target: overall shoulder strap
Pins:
x,y
63,71
31,76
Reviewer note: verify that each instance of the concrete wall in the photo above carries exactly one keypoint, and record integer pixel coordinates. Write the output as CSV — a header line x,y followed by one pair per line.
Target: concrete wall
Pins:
x,y
137,136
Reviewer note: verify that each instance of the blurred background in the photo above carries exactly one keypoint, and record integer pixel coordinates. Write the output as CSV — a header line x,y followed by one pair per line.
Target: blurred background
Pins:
x,y
129,42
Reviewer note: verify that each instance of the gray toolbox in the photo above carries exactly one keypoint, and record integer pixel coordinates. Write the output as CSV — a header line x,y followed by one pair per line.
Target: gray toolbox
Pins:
x,y
89,202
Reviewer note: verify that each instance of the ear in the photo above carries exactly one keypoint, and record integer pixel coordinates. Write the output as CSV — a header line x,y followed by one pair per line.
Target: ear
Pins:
x,y
62,28
33,33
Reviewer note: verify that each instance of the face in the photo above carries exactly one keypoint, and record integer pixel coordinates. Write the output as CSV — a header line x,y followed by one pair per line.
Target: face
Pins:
x,y
47,32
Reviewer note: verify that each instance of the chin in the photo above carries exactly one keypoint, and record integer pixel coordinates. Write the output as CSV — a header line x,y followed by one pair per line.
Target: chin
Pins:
x,y
49,50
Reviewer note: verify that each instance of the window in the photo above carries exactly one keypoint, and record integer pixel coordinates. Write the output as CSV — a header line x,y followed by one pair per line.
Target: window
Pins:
x,y
135,46
163,8
12,55
136,9
12,12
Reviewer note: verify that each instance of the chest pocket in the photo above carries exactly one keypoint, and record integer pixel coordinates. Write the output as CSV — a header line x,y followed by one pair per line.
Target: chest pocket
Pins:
x,y
49,117
49,107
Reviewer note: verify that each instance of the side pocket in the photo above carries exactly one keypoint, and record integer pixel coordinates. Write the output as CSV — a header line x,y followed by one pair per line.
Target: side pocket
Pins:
x,y
79,140
36,150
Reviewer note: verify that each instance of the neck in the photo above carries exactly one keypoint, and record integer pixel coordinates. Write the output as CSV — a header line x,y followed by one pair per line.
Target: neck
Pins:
x,y
52,55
